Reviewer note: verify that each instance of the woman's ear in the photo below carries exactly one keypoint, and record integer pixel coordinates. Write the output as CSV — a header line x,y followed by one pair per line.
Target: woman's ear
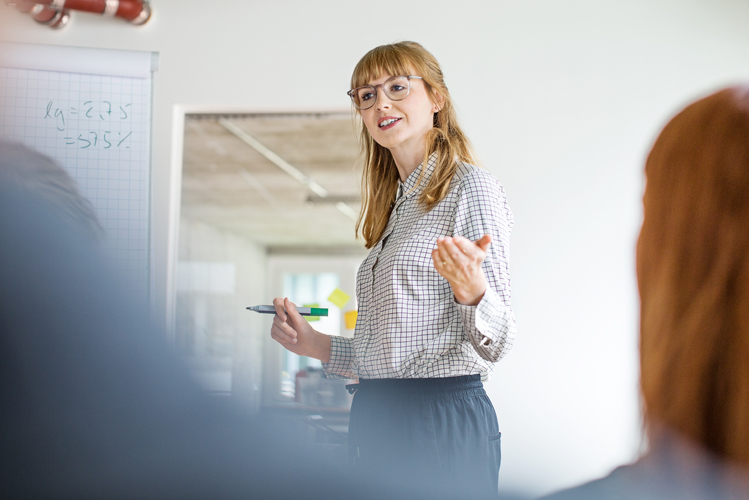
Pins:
x,y
439,102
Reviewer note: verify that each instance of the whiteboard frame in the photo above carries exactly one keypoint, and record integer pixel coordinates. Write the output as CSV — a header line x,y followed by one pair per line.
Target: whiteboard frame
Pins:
x,y
101,62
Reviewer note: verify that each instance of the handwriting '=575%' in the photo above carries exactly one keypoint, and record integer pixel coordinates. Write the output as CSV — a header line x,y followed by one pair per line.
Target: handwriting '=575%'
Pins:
x,y
87,143
91,109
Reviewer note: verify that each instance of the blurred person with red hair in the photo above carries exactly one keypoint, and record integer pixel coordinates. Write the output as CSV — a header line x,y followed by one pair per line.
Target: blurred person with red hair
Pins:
x,y
693,279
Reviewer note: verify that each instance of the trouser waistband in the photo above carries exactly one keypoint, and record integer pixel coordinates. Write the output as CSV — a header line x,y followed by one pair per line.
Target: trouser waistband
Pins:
x,y
418,385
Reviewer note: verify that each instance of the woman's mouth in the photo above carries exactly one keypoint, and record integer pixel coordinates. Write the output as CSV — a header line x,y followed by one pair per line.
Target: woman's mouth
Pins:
x,y
387,122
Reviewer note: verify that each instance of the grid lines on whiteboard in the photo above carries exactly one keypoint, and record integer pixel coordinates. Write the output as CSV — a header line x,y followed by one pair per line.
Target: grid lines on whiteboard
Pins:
x,y
98,130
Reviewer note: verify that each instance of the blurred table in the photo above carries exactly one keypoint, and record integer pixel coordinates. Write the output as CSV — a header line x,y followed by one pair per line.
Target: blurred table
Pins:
x,y
321,427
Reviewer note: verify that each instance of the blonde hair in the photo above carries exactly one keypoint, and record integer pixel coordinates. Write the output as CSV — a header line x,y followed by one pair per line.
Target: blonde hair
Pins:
x,y
380,178
693,276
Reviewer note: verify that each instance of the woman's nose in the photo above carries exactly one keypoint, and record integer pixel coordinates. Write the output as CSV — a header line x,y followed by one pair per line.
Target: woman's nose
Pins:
x,y
383,102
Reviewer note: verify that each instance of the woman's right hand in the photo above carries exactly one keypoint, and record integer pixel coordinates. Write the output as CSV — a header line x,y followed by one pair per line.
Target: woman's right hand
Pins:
x,y
292,331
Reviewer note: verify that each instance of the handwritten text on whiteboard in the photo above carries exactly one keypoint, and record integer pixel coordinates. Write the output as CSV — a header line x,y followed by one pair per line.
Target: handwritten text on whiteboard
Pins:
x,y
90,115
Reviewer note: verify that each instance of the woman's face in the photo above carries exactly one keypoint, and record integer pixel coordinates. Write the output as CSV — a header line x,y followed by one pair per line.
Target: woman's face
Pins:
x,y
400,125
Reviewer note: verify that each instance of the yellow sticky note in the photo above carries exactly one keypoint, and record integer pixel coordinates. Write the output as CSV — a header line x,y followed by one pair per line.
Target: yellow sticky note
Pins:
x,y
339,298
350,318
311,318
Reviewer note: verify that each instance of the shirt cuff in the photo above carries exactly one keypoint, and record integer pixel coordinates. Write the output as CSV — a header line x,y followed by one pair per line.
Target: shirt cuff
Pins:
x,y
341,358
489,325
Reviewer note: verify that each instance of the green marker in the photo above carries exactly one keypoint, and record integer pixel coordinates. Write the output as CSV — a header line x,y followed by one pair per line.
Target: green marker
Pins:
x,y
304,311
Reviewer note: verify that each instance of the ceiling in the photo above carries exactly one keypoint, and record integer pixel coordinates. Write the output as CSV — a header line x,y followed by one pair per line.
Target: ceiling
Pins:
x,y
229,184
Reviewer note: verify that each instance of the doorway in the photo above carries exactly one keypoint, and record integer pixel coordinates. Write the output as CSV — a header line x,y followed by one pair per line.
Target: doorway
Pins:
x,y
258,191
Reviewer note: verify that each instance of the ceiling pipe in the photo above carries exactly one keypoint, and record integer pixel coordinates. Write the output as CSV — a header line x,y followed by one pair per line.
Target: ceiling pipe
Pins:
x,y
320,191
55,19
347,211
332,199
41,13
51,12
273,157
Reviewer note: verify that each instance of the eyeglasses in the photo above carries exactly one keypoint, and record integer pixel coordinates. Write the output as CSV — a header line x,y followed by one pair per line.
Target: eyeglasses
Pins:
x,y
395,88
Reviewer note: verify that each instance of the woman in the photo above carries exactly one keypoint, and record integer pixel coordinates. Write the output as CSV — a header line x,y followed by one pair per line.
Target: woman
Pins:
x,y
693,277
432,321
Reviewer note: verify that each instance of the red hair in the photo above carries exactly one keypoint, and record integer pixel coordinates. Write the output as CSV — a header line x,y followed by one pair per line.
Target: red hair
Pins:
x,y
693,276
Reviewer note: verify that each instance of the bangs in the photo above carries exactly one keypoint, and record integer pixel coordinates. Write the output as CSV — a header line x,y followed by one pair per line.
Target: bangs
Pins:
x,y
384,60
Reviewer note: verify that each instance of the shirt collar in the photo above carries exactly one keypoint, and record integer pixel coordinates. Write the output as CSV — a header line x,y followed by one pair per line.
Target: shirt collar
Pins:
x,y
410,188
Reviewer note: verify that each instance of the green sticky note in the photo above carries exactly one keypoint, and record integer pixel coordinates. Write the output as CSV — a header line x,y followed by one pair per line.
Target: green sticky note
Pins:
x,y
339,298
311,318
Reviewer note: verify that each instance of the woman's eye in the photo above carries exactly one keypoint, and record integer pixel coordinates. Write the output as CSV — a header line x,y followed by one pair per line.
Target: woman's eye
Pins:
x,y
397,88
366,96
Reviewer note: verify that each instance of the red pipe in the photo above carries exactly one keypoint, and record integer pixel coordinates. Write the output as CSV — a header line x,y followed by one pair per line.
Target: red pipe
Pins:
x,y
135,11
43,14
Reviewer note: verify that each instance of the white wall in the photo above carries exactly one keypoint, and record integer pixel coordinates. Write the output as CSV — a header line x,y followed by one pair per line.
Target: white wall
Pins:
x,y
226,351
562,100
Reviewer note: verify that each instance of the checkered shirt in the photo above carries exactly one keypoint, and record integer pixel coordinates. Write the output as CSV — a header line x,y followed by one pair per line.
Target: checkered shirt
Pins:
x,y
409,324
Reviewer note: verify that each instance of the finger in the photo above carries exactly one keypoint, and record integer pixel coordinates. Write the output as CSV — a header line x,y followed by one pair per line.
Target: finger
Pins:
x,y
291,310
474,251
484,242
450,267
284,327
455,255
466,246
438,263
279,322
283,334
281,339
278,304
442,251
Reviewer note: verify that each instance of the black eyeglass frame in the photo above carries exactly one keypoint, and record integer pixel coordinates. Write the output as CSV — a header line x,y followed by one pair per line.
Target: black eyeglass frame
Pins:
x,y
374,88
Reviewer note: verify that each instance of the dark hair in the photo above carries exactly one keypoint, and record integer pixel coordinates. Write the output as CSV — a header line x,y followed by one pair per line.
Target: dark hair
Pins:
x,y
693,276
34,173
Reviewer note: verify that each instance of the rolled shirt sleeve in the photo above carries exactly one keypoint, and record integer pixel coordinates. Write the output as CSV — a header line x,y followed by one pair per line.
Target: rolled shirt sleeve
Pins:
x,y
483,209
342,359
490,326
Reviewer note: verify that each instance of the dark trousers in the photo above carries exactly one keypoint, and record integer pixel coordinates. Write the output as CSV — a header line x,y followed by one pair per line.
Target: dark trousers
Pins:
x,y
436,436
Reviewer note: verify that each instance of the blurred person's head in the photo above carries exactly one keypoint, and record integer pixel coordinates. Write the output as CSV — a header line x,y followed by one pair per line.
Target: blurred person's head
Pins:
x,y
31,172
693,277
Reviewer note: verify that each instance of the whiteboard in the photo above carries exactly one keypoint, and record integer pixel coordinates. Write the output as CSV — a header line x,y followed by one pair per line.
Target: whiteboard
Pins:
x,y
90,109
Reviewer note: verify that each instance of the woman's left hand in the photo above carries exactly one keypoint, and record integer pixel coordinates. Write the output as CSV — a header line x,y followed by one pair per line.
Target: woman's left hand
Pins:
x,y
458,260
